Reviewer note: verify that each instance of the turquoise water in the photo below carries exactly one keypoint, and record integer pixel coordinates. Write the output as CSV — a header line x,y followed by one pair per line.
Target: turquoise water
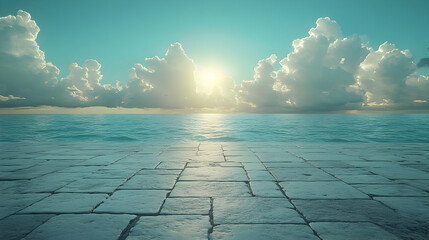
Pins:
x,y
217,128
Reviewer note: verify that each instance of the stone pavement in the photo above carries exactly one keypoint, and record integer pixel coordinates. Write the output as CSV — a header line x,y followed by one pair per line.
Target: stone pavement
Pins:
x,y
214,191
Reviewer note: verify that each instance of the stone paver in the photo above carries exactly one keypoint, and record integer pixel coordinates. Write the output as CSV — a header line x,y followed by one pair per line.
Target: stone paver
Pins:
x,y
241,190
171,227
227,174
140,182
351,231
185,206
210,189
146,202
262,231
82,226
266,189
18,226
66,203
321,190
98,185
254,210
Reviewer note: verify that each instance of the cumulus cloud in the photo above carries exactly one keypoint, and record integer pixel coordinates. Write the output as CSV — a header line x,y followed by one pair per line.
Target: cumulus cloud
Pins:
x,y
169,82
318,75
325,72
389,78
28,80
261,93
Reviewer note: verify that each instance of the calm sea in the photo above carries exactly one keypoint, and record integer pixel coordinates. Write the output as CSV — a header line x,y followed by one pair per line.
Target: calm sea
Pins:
x,y
217,128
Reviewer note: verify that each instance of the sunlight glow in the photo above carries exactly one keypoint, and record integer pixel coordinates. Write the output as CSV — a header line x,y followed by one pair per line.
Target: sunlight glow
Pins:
x,y
211,75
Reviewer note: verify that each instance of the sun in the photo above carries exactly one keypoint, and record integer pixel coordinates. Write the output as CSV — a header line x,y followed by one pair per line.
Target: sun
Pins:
x,y
211,76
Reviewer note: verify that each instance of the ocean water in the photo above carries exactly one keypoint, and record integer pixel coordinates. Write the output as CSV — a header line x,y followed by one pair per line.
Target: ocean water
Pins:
x,y
404,128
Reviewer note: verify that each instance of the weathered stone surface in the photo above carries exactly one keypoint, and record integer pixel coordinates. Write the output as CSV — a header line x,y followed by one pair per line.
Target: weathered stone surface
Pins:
x,y
400,173
254,210
18,226
66,203
11,203
82,226
266,189
353,179
321,190
262,231
391,190
146,202
150,182
413,207
227,174
259,175
294,164
171,165
351,231
97,185
344,210
186,227
186,206
210,189
346,171
421,184
301,174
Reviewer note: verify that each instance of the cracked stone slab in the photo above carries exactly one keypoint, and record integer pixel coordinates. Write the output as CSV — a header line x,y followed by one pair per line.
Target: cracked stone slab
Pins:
x,y
262,231
146,202
260,175
159,172
112,173
179,227
186,206
391,190
344,210
66,203
266,189
35,186
351,231
210,189
347,171
353,179
413,207
301,174
254,210
321,190
18,226
247,158
140,182
171,165
294,164
213,164
12,203
253,166
82,226
97,185
227,174
103,160
400,173
421,184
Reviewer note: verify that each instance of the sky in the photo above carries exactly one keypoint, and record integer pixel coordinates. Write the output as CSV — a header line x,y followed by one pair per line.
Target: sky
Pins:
x,y
233,42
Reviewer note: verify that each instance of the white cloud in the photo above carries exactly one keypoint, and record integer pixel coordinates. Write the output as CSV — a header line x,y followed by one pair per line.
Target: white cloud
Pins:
x,y
318,75
325,72
389,78
260,94
24,72
170,82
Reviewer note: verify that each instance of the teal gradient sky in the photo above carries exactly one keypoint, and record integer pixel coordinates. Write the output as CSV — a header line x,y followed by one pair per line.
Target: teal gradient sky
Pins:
x,y
229,35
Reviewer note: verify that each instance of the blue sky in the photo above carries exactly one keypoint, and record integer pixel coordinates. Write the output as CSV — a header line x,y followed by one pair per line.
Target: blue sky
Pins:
x,y
230,35
215,56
